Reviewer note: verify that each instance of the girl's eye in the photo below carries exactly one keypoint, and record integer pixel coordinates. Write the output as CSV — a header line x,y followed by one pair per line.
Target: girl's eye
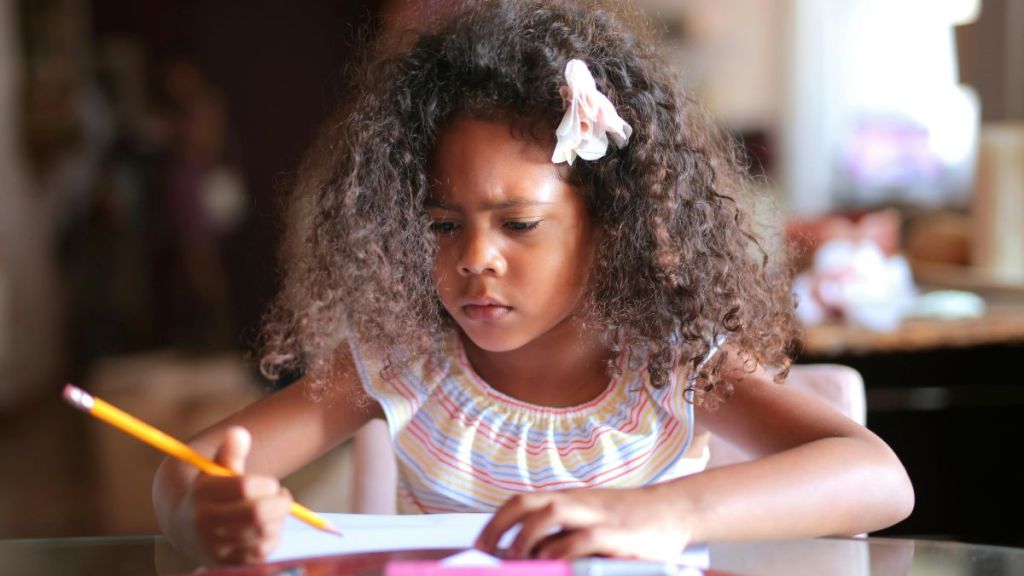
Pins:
x,y
443,227
521,226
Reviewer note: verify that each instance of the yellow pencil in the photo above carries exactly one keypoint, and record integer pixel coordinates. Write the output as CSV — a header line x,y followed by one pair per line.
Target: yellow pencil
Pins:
x,y
150,435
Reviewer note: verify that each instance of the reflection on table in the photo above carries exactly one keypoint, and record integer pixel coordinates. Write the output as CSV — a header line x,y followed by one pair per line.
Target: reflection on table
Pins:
x,y
139,555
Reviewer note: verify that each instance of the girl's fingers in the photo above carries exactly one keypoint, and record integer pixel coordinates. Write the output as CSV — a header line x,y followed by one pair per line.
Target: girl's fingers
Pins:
x,y
239,517
243,543
573,544
259,553
536,525
229,488
538,514
607,540
243,512
245,533
222,552
510,514
231,553
242,531
235,449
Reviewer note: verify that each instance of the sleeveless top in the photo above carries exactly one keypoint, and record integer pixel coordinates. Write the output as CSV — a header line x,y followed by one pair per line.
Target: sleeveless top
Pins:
x,y
462,446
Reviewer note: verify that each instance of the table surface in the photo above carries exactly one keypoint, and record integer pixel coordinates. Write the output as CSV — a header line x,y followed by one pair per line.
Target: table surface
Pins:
x,y
139,555
1000,324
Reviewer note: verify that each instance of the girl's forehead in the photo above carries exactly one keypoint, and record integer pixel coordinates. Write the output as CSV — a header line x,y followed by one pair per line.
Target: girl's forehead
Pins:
x,y
469,137
489,163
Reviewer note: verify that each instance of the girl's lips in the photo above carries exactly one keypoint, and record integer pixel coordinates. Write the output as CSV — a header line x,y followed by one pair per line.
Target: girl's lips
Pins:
x,y
485,311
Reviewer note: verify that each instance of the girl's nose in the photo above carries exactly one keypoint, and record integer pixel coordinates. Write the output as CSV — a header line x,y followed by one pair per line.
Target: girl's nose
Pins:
x,y
480,257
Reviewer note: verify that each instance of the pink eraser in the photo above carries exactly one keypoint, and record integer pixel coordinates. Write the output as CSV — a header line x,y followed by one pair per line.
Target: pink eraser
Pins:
x,y
506,568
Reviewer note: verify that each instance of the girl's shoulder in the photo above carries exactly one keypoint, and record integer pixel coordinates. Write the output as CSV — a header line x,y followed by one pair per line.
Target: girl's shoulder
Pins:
x,y
387,369
400,383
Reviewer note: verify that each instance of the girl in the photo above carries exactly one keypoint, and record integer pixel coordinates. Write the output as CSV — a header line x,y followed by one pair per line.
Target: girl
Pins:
x,y
532,256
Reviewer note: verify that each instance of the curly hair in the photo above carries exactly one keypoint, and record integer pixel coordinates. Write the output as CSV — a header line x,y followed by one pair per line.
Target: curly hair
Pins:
x,y
679,266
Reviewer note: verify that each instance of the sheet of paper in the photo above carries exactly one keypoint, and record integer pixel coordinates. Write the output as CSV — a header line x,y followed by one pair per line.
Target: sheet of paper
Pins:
x,y
378,533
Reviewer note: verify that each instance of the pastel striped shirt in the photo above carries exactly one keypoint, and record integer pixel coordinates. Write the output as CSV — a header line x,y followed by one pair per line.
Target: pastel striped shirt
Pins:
x,y
462,446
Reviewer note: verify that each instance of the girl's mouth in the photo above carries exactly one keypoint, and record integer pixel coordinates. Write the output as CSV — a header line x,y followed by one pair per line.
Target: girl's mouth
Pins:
x,y
486,312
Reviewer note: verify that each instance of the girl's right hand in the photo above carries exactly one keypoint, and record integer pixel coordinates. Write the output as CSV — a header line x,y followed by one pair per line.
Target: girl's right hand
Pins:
x,y
238,519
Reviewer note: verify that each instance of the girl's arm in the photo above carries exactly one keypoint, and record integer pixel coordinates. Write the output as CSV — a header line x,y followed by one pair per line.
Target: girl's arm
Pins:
x,y
814,473
288,430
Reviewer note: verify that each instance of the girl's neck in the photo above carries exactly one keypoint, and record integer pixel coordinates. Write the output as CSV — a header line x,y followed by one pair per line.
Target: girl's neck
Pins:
x,y
563,368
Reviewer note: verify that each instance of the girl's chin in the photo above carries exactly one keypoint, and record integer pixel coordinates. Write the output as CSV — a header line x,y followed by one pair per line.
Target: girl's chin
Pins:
x,y
492,342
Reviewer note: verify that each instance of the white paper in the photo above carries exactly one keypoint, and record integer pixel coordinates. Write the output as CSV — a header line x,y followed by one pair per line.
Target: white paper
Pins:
x,y
382,532
378,533
472,557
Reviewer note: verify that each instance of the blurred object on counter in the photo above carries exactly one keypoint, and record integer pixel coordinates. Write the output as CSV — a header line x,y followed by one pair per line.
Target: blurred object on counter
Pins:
x,y
880,227
947,304
855,281
998,207
852,268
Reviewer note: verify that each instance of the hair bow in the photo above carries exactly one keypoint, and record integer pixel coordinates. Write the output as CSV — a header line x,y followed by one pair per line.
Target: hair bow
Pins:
x,y
590,119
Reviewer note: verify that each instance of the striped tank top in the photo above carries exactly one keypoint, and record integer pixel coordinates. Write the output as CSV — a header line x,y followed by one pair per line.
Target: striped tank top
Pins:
x,y
462,446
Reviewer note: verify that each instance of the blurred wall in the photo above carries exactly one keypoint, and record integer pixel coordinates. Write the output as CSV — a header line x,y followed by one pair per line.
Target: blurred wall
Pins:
x,y
992,59
279,67
31,351
82,275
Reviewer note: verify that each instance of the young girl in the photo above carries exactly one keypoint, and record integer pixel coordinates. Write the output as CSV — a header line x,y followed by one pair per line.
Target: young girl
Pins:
x,y
531,255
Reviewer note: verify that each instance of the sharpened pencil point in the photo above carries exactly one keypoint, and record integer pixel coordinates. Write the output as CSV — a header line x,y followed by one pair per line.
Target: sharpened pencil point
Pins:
x,y
332,530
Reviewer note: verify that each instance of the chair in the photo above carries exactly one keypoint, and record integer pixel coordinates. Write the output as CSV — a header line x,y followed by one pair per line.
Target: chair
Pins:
x,y
374,473
839,386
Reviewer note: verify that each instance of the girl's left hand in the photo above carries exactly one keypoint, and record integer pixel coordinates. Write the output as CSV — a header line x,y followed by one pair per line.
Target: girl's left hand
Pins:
x,y
633,523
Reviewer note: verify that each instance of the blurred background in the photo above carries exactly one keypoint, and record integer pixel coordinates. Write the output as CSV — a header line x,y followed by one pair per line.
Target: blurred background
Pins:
x,y
145,149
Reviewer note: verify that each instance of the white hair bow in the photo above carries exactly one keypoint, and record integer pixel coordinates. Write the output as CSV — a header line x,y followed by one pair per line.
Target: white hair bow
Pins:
x,y
590,119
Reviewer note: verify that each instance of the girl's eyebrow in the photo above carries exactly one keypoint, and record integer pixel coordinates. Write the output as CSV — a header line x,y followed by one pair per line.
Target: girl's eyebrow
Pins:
x,y
509,203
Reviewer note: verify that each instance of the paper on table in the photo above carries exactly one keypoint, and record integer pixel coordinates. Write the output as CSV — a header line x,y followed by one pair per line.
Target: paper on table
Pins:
x,y
377,533
382,532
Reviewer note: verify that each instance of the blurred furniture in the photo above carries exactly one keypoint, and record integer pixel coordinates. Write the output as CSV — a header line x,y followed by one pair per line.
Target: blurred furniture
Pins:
x,y
1001,324
181,395
947,396
175,393
374,472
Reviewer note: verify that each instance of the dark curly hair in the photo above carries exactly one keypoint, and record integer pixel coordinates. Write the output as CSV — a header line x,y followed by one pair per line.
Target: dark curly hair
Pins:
x,y
679,265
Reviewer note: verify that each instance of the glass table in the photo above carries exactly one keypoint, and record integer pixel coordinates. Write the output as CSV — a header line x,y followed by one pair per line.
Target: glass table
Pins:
x,y
141,555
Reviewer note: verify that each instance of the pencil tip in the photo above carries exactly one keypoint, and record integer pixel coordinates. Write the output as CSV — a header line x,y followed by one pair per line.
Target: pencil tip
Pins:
x,y
332,530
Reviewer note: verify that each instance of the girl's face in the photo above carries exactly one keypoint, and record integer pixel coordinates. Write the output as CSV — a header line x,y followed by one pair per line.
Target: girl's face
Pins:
x,y
515,241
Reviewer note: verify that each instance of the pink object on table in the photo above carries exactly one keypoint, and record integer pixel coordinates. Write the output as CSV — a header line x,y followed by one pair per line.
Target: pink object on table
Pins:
x,y
506,568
